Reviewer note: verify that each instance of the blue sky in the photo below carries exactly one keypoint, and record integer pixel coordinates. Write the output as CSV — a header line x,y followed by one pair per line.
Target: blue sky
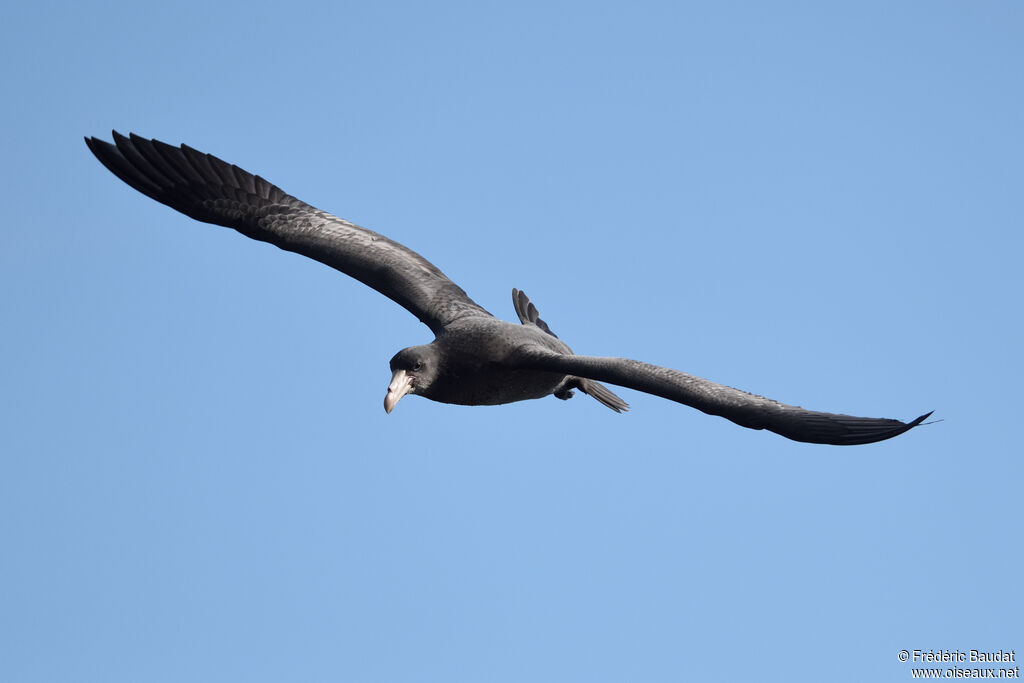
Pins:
x,y
818,202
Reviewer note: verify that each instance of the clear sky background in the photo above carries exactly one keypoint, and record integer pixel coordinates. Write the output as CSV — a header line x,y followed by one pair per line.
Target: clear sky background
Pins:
x,y
818,202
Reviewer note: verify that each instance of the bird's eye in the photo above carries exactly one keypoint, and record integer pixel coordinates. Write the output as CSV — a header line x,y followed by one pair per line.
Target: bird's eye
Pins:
x,y
419,364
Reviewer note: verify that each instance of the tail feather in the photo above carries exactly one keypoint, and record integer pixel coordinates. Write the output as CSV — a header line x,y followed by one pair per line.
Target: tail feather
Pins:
x,y
603,394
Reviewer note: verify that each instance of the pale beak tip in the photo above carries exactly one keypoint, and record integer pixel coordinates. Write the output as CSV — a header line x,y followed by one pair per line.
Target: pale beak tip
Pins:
x,y
401,384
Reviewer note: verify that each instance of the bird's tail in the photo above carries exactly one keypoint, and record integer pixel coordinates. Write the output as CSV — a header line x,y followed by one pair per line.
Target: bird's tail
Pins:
x,y
603,394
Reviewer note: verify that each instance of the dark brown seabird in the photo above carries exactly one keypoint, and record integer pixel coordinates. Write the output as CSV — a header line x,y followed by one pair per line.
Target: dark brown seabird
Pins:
x,y
475,359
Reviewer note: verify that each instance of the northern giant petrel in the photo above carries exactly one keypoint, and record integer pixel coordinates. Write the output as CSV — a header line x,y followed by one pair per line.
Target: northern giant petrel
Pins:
x,y
475,359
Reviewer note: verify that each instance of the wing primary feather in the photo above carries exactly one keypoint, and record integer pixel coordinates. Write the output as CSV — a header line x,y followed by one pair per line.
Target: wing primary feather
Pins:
x,y
527,312
115,162
201,162
176,158
149,150
138,162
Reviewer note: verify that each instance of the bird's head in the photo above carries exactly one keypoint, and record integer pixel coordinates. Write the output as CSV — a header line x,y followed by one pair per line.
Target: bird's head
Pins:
x,y
412,371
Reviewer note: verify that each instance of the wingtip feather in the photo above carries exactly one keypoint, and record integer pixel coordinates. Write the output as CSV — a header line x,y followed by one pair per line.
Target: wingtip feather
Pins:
x,y
920,419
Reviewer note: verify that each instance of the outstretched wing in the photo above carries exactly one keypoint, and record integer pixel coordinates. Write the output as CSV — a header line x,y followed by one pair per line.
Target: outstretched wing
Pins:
x,y
748,410
210,190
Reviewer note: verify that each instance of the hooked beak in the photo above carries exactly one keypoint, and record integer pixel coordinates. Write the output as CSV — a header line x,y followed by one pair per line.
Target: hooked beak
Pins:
x,y
401,384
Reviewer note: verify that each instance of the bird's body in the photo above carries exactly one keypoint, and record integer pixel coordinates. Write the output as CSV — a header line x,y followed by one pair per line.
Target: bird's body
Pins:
x,y
478,363
474,359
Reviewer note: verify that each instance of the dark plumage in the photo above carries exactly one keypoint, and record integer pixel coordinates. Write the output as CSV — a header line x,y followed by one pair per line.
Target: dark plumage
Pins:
x,y
475,359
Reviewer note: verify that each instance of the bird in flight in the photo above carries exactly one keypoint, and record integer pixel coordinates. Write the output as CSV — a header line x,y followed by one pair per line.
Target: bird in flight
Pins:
x,y
474,359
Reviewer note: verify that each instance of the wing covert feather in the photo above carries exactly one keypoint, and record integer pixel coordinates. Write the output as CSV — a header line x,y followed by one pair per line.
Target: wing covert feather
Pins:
x,y
210,190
